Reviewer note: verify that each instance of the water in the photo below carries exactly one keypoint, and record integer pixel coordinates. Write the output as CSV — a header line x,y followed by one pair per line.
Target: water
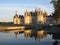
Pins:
x,y
28,37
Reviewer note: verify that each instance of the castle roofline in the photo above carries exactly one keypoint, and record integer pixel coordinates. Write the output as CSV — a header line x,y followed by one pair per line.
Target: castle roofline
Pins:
x,y
21,16
50,16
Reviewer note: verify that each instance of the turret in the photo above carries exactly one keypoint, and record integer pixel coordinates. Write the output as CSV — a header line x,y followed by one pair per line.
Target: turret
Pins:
x,y
26,12
45,13
40,16
39,12
16,15
27,18
16,19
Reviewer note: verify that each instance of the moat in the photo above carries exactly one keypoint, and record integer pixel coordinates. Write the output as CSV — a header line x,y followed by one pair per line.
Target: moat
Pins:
x,y
29,37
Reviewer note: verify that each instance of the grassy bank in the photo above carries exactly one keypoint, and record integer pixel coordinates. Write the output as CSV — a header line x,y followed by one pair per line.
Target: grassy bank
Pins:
x,y
8,24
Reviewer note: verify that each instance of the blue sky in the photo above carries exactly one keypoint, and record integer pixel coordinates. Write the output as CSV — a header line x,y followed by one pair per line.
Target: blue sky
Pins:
x,y
9,7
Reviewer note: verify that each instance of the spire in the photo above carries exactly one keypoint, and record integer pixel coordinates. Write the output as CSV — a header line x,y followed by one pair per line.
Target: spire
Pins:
x,y
39,9
26,12
45,13
36,10
16,15
16,12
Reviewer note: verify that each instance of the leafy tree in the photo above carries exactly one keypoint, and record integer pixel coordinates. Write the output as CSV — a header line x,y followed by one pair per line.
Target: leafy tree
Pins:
x,y
56,14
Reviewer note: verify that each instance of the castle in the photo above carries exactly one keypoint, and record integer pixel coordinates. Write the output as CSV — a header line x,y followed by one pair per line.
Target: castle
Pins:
x,y
33,17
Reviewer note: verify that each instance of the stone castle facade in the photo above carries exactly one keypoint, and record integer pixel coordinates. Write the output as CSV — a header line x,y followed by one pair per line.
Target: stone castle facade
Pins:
x,y
16,19
33,17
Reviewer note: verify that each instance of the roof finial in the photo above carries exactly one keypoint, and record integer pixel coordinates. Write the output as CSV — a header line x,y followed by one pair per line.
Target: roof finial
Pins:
x,y
16,11
26,10
39,8
36,10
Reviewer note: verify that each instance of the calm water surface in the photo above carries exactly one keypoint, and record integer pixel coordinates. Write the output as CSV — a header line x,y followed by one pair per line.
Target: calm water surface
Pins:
x,y
28,37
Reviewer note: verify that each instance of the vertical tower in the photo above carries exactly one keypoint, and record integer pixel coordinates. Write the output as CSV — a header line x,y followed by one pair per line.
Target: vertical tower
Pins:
x,y
16,19
34,17
27,18
45,16
39,16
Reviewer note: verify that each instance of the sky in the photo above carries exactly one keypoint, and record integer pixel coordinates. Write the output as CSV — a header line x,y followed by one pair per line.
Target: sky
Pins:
x,y
8,8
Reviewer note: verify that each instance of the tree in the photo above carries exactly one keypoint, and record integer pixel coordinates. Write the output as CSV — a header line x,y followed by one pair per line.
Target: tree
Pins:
x,y
56,14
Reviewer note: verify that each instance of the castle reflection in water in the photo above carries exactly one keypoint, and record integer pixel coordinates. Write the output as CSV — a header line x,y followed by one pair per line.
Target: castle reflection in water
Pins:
x,y
33,35
37,35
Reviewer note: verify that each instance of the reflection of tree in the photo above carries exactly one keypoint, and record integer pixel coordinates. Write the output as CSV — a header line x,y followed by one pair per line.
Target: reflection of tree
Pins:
x,y
55,42
56,37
